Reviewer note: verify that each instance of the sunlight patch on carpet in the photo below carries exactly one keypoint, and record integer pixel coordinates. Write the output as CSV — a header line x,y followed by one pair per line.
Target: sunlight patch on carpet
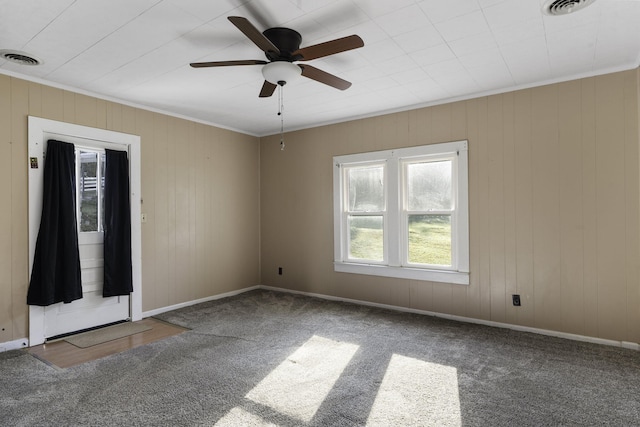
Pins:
x,y
239,417
299,385
414,388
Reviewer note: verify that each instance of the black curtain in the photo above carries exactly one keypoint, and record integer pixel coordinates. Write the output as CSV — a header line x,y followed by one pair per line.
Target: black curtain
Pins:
x,y
118,279
56,265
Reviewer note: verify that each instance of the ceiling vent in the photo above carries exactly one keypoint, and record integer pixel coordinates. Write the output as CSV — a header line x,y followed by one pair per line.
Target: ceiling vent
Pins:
x,y
564,7
18,57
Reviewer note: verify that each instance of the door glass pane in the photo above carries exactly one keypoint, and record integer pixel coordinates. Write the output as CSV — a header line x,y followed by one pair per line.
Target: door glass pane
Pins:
x,y
429,186
366,189
430,239
88,191
101,208
366,237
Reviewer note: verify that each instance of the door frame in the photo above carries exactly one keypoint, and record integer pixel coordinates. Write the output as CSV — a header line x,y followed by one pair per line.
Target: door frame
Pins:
x,y
39,131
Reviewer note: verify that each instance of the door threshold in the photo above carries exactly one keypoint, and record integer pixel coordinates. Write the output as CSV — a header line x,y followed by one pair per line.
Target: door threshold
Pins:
x,y
63,336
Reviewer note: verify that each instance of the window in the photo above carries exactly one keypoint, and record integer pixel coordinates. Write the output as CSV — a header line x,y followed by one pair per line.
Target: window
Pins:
x,y
403,213
365,212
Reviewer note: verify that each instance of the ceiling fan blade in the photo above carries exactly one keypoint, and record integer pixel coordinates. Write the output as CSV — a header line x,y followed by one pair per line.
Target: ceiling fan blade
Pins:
x,y
253,34
329,48
267,89
227,63
324,77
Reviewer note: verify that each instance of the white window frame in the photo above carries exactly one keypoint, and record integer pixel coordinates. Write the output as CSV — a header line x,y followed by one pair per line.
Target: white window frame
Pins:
x,y
395,231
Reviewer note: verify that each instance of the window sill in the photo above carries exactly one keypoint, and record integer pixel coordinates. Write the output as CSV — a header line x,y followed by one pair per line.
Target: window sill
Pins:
x,y
456,277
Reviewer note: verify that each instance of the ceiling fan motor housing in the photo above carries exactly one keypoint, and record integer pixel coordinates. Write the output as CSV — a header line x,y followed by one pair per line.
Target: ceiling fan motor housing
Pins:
x,y
285,39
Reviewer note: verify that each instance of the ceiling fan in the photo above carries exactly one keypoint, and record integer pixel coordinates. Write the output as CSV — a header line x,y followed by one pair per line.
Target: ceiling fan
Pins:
x,y
282,48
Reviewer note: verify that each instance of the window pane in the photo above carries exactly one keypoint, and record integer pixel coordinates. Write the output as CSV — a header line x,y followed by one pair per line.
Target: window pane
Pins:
x,y
88,189
366,238
430,239
429,185
366,189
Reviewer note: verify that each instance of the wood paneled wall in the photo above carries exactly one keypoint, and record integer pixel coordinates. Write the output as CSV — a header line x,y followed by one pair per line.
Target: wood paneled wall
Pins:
x,y
200,190
554,204
554,207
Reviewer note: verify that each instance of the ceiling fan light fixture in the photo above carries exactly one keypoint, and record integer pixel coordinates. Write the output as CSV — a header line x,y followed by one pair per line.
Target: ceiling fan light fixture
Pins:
x,y
281,71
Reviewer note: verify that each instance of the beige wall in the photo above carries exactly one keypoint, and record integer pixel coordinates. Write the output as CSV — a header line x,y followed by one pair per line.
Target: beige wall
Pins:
x,y
200,189
554,195
554,216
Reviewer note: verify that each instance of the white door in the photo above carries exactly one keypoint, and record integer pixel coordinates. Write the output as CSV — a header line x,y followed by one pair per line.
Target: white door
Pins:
x,y
92,310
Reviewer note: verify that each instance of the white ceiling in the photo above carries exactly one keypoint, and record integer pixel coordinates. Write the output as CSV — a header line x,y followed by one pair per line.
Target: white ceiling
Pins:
x,y
417,52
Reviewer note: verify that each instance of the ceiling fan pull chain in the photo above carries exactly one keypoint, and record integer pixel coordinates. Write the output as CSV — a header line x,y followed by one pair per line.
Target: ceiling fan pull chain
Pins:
x,y
280,111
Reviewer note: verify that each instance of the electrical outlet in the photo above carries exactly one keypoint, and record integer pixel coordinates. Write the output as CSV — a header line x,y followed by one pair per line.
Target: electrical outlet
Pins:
x,y
280,271
516,300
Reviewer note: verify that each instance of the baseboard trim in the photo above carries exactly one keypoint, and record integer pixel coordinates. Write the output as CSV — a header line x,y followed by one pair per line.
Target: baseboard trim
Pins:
x,y
565,335
161,310
14,345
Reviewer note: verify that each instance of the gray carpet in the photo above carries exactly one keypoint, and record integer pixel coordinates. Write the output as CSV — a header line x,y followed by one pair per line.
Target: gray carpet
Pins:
x,y
266,358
